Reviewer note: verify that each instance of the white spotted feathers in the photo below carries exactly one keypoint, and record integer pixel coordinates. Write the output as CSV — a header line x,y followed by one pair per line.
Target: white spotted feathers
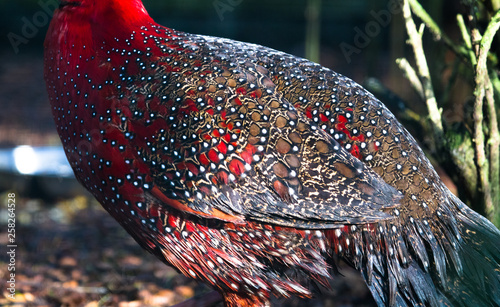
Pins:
x,y
251,169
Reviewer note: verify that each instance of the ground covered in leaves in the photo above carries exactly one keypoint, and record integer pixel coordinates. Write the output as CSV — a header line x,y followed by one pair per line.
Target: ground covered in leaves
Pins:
x,y
72,253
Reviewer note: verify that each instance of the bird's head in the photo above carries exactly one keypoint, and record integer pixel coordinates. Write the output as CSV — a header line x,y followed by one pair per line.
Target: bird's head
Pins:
x,y
103,11
87,21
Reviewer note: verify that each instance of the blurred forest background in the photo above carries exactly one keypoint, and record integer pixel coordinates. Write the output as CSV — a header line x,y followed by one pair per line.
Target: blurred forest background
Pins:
x,y
71,253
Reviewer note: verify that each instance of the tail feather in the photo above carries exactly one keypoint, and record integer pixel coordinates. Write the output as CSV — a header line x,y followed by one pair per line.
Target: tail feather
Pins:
x,y
449,259
479,249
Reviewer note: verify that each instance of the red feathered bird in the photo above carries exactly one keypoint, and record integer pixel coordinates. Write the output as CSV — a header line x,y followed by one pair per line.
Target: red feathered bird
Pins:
x,y
252,170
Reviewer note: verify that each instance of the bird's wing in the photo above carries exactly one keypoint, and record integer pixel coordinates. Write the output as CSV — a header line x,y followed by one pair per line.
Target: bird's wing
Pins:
x,y
220,141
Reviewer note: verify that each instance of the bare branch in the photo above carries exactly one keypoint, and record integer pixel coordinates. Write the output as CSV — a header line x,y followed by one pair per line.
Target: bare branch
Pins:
x,y
435,30
467,39
415,40
484,88
411,75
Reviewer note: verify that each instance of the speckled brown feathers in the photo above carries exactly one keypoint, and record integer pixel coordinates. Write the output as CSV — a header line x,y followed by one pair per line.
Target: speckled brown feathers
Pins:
x,y
251,169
